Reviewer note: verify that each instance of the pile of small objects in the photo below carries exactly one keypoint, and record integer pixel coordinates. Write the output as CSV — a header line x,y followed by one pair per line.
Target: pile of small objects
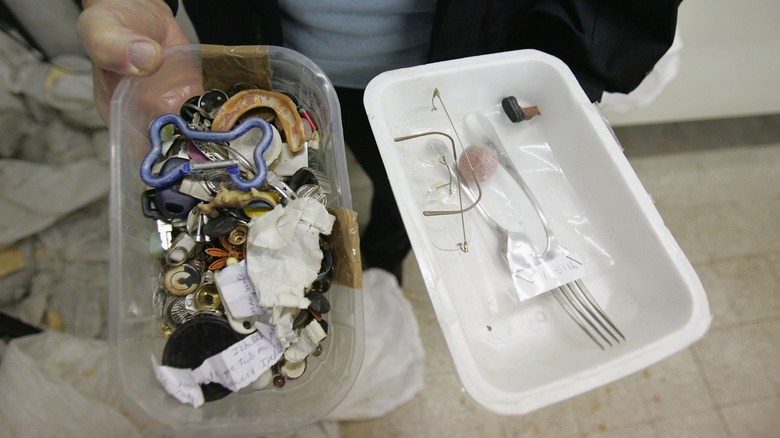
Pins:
x,y
226,177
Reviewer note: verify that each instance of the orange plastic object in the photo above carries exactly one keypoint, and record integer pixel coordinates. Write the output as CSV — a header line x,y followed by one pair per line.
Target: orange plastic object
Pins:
x,y
230,112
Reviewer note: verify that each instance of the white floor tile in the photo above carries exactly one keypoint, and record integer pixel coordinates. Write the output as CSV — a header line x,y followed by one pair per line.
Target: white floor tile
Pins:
x,y
615,406
757,419
741,289
638,431
736,363
558,420
674,387
701,425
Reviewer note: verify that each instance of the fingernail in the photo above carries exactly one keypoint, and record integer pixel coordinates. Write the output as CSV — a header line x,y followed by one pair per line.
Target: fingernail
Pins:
x,y
142,56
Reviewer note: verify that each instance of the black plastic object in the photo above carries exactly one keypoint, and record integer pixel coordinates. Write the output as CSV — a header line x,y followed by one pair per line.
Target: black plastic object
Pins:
x,y
512,109
195,341
319,304
11,327
148,206
169,202
220,226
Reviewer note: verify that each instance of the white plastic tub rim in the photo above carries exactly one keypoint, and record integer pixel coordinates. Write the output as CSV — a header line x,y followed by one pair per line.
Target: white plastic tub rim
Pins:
x,y
514,358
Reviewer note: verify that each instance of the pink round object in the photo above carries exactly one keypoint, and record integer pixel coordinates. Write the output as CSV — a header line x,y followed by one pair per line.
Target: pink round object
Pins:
x,y
483,160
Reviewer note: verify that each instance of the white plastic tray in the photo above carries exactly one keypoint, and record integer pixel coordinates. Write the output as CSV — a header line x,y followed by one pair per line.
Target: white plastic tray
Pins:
x,y
516,356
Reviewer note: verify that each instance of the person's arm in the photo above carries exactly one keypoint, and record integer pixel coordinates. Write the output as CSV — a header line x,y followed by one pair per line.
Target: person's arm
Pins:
x,y
125,37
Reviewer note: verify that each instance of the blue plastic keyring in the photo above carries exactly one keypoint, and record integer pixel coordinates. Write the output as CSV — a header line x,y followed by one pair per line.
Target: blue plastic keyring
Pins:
x,y
178,172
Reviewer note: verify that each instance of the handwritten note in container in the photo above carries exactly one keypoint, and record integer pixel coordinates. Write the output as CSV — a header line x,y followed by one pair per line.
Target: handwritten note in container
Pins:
x,y
237,291
234,368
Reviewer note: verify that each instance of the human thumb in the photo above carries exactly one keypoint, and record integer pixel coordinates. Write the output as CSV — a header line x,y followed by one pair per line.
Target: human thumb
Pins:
x,y
143,56
117,48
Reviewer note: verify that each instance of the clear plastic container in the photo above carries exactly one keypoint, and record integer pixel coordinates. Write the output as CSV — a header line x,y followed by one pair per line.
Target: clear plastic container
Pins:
x,y
135,333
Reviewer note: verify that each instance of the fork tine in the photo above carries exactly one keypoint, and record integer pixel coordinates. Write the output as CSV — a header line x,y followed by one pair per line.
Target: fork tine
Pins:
x,y
591,317
595,305
565,302
584,311
576,300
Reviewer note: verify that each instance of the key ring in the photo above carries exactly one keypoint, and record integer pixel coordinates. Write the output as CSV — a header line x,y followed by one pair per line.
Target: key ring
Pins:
x,y
231,166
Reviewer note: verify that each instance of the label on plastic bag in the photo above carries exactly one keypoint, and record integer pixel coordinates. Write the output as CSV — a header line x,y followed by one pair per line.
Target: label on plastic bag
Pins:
x,y
548,275
234,368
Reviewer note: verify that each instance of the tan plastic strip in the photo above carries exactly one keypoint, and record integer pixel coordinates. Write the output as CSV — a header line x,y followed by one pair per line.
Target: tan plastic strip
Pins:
x,y
229,113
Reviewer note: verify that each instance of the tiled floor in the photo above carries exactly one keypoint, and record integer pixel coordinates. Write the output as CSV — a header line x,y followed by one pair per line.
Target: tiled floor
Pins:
x,y
717,186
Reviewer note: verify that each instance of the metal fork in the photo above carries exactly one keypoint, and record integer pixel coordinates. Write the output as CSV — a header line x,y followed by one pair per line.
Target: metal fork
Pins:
x,y
577,301
574,297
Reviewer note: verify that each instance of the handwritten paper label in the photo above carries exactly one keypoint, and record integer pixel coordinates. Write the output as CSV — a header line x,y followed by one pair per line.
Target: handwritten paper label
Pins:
x,y
548,275
180,383
237,291
234,368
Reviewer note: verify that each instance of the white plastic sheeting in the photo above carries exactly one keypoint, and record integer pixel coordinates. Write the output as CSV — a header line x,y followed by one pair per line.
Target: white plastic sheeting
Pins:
x,y
54,179
57,384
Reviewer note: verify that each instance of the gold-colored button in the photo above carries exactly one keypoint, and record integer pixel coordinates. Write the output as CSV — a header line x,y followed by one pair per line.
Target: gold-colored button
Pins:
x,y
238,235
207,297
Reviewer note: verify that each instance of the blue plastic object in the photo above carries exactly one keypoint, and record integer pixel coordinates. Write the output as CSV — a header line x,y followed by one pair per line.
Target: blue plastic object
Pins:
x,y
176,173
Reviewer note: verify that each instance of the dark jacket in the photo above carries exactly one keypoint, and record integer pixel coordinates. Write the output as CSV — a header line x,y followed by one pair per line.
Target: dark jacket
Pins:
x,y
610,45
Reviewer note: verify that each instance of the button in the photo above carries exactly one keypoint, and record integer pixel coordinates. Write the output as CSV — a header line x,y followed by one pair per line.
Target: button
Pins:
x,y
175,312
211,101
238,236
302,318
293,370
181,280
207,297
181,249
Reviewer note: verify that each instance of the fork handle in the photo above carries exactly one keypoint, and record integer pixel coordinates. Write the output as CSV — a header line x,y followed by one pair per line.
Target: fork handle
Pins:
x,y
489,137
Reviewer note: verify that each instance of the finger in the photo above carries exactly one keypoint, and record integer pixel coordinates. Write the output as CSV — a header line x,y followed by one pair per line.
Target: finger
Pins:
x,y
116,48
